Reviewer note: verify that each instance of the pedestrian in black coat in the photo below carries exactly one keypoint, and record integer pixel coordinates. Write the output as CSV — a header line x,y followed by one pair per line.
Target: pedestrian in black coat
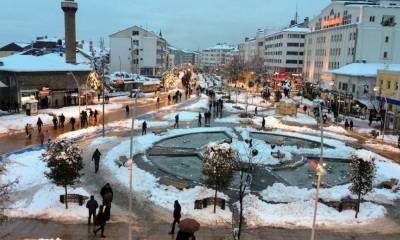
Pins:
x,y
107,193
346,124
96,158
55,122
185,236
177,216
39,124
144,128
176,125
199,120
263,123
127,110
72,121
92,205
100,221
61,120
351,125
95,115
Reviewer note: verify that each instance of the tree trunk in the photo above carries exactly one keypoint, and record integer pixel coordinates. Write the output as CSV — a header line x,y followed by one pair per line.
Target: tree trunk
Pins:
x,y
240,215
358,203
215,198
65,197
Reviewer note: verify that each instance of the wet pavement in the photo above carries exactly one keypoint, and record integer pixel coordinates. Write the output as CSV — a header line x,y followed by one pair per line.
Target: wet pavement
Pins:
x,y
34,229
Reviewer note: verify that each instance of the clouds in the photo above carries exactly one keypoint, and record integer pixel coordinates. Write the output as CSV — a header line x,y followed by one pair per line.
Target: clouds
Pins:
x,y
186,24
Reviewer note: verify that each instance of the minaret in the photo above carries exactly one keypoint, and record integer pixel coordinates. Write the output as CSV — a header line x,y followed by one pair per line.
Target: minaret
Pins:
x,y
70,7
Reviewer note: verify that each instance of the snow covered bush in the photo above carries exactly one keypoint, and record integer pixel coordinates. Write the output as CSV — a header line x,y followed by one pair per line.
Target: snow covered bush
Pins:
x,y
362,173
219,164
64,161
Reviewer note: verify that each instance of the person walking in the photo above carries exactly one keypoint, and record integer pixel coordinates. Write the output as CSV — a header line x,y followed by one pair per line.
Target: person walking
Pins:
x,y
351,125
39,124
55,122
346,124
107,194
96,158
398,142
263,123
144,128
176,215
127,110
61,120
29,130
176,125
100,221
199,120
72,122
158,102
92,205
169,99
255,110
95,116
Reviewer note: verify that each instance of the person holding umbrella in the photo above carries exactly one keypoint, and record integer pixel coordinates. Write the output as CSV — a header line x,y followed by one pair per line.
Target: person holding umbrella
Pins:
x,y
177,216
187,228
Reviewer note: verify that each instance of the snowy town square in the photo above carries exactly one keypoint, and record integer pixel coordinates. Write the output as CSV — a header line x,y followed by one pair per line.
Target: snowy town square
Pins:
x,y
200,120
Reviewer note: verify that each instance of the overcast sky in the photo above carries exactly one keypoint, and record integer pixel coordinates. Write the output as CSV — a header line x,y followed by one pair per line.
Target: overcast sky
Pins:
x,y
189,24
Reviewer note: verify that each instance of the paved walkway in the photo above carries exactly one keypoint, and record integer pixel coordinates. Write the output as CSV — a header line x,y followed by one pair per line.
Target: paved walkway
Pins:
x,y
34,229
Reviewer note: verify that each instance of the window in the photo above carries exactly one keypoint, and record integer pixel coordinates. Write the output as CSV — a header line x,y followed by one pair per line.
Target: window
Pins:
x,y
291,61
293,44
385,55
388,84
344,87
388,21
340,85
387,39
372,18
292,53
135,42
353,88
135,33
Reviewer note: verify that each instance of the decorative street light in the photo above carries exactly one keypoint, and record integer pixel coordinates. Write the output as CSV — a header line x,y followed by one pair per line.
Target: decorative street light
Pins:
x,y
79,91
377,90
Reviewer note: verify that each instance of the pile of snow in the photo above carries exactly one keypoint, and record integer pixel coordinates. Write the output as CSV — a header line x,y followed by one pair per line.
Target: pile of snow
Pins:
x,y
38,198
17,122
73,111
103,140
300,214
184,116
300,119
201,105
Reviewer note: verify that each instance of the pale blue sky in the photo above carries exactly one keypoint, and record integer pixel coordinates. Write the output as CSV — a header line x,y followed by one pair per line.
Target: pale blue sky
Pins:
x,y
191,24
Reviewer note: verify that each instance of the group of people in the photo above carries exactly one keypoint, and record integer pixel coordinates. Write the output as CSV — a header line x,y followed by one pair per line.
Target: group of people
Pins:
x,y
207,119
348,125
86,119
104,213
176,220
177,97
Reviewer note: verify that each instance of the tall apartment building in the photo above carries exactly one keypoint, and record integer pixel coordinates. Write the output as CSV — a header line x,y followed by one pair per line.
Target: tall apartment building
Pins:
x,y
136,50
220,54
284,50
184,56
252,47
352,31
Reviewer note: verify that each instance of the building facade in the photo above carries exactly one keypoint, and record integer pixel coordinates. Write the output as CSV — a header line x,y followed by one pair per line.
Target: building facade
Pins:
x,y
136,50
220,54
183,56
351,31
284,50
388,82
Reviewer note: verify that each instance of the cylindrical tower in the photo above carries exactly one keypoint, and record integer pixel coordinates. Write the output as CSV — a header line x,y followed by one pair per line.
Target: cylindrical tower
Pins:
x,y
70,7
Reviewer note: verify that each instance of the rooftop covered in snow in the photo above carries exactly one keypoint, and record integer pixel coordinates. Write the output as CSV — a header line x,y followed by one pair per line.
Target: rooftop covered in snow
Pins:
x,y
364,69
51,62
222,46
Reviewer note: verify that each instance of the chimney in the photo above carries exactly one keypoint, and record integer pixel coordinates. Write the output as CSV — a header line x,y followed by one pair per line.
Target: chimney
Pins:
x,y
70,7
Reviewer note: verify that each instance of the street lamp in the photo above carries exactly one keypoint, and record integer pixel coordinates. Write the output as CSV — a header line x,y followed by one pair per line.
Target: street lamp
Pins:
x,y
79,91
377,90
320,172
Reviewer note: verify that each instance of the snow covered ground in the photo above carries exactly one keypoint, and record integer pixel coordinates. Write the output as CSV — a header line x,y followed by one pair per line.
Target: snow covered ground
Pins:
x,y
37,197
73,111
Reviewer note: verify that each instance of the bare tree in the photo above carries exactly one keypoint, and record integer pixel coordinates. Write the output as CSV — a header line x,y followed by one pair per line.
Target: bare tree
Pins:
x,y
235,68
5,189
245,170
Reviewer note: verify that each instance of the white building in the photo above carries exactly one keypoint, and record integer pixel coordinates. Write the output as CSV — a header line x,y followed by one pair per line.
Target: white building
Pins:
x,y
284,50
248,49
136,50
218,55
352,31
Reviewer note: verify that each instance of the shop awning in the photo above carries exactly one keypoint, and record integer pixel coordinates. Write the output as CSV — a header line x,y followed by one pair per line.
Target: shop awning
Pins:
x,y
369,104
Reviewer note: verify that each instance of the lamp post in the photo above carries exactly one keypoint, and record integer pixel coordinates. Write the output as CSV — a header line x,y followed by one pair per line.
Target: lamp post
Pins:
x,y
79,91
377,90
319,174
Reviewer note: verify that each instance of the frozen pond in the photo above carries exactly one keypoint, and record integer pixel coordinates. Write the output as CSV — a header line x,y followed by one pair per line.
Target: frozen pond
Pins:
x,y
195,140
188,167
276,139
304,176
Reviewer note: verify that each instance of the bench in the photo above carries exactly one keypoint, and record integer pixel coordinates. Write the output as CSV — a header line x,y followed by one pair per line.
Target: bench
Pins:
x,y
169,182
121,161
203,203
159,131
74,198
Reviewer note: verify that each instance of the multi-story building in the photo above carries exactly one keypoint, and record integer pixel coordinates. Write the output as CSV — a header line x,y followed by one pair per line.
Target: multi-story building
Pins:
x,y
252,48
183,56
218,55
388,82
136,50
351,31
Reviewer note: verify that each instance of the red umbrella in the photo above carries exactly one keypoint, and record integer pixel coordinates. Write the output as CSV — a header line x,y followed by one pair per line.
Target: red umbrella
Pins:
x,y
189,225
